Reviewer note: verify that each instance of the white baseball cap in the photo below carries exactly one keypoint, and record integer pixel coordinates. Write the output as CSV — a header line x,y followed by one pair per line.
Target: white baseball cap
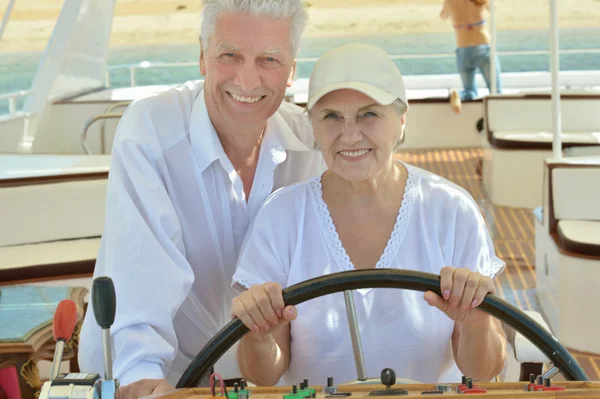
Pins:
x,y
361,67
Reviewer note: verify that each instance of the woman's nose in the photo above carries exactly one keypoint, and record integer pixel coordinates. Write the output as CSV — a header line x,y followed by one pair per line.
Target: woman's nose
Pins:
x,y
351,133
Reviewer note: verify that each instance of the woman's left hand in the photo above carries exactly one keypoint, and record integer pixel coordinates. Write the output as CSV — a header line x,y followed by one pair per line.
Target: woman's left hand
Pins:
x,y
462,290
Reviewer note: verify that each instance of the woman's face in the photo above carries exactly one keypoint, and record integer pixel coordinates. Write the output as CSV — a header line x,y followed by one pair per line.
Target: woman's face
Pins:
x,y
356,135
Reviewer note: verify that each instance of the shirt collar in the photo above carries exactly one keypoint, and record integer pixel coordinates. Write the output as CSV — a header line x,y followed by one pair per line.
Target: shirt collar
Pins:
x,y
288,139
203,137
207,146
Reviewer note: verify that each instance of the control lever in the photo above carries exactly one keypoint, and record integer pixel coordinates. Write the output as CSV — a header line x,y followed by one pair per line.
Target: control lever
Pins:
x,y
65,318
66,385
104,302
105,306
84,385
388,378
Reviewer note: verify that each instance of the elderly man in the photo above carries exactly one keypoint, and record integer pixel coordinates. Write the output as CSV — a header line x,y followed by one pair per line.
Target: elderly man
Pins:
x,y
190,169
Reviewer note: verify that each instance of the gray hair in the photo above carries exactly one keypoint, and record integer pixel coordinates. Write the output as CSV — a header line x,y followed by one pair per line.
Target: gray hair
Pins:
x,y
277,9
401,108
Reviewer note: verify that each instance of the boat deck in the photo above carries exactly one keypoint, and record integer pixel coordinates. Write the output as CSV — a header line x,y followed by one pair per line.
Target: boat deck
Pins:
x,y
512,230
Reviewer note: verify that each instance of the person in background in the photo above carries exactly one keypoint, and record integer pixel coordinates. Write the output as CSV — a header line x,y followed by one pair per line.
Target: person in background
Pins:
x,y
472,47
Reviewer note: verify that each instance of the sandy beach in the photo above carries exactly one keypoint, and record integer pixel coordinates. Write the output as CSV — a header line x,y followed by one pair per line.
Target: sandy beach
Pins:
x,y
150,22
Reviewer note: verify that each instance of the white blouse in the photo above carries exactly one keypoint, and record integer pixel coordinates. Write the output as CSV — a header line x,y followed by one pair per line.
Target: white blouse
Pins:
x,y
293,239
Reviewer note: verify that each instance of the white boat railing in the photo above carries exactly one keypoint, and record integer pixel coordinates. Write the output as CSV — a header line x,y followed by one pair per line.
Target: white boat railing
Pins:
x,y
145,65
133,67
12,99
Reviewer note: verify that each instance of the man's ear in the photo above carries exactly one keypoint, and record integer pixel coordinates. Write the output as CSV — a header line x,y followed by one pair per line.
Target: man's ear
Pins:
x,y
290,81
202,60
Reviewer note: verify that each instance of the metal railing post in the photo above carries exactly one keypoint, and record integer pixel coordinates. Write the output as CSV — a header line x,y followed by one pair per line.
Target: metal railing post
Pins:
x,y
12,105
6,16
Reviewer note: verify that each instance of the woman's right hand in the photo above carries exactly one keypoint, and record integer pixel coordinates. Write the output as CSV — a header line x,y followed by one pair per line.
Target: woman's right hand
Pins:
x,y
261,308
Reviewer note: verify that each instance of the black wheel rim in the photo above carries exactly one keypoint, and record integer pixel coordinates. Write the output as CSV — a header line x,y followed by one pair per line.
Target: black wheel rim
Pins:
x,y
384,278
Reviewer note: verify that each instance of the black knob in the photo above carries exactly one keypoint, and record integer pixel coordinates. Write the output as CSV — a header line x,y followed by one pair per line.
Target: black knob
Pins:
x,y
532,378
301,385
546,382
469,383
306,383
294,388
540,380
242,384
104,301
464,380
388,377
236,387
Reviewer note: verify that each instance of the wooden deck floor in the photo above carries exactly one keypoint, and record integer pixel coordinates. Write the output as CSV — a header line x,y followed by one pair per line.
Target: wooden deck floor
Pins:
x,y
512,230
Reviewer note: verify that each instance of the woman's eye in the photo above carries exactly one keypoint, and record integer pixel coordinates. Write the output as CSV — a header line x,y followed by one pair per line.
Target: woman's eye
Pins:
x,y
369,114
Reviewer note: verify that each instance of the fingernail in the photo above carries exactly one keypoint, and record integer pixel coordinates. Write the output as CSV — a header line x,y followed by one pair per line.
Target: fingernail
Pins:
x,y
474,303
446,294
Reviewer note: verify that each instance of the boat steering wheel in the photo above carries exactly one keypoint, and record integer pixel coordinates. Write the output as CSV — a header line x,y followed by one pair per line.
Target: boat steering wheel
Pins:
x,y
201,365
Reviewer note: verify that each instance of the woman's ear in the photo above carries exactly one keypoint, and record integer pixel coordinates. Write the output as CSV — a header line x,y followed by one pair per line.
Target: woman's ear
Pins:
x,y
402,129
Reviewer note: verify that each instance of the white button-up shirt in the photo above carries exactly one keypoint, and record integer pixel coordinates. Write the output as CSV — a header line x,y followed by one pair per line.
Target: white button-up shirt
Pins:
x,y
176,218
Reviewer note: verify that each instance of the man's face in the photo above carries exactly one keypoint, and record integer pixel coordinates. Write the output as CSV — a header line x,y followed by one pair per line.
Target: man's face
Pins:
x,y
247,66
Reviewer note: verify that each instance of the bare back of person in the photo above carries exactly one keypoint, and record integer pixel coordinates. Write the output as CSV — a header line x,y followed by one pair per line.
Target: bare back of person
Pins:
x,y
469,20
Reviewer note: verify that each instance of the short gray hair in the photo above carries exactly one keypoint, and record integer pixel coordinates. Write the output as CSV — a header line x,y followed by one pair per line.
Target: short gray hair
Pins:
x,y
277,9
401,108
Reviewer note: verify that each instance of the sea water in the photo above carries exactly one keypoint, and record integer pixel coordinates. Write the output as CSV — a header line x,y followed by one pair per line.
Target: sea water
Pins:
x,y
17,70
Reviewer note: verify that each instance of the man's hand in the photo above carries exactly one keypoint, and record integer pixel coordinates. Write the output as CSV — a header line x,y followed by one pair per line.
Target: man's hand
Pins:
x,y
143,388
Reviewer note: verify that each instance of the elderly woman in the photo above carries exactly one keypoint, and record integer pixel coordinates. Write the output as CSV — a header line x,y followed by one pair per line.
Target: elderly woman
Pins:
x,y
367,211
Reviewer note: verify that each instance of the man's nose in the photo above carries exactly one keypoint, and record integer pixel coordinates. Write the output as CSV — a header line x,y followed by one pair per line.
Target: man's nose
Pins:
x,y
248,77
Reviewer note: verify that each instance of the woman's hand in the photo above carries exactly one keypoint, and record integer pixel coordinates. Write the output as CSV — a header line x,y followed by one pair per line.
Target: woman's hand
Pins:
x,y
462,290
262,310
